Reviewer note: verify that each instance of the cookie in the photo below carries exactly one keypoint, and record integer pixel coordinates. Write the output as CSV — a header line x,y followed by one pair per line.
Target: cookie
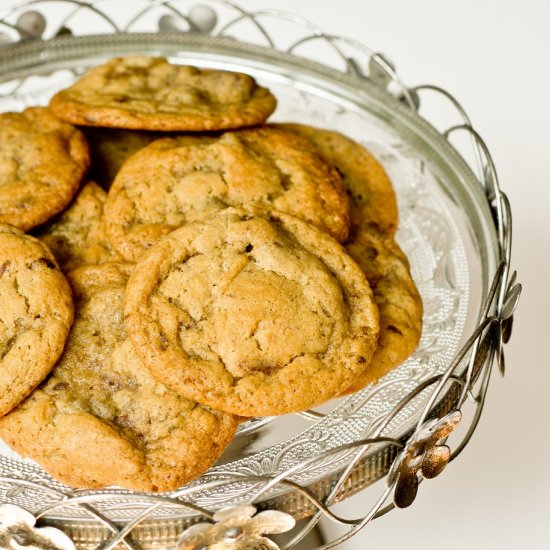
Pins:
x,y
77,236
101,418
149,93
42,162
174,181
35,315
109,149
370,190
373,222
252,315
397,298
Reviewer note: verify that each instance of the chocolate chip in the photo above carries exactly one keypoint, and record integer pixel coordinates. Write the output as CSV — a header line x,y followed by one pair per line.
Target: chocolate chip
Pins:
x,y
286,181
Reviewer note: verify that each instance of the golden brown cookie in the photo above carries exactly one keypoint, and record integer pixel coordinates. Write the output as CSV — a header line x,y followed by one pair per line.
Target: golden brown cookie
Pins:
x,y
372,197
397,298
36,312
101,418
148,93
42,161
110,147
253,315
77,236
175,181
373,217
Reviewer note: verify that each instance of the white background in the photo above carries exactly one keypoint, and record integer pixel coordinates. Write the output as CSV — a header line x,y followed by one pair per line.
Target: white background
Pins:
x,y
493,56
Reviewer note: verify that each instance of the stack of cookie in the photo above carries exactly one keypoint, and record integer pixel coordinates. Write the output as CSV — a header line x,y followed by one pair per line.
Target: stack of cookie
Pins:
x,y
225,270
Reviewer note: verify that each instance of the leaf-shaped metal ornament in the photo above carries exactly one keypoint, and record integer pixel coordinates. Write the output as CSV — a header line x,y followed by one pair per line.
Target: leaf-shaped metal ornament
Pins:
x,y
423,454
500,354
405,489
17,530
435,460
196,537
506,328
446,425
507,315
511,301
272,522
237,528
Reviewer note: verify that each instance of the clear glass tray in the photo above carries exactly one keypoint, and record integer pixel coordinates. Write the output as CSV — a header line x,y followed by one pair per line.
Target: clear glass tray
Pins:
x,y
445,228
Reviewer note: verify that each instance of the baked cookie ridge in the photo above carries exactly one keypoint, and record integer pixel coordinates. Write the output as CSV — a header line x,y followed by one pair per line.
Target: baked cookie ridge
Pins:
x,y
101,419
42,162
398,300
373,222
254,314
371,193
175,181
36,314
149,93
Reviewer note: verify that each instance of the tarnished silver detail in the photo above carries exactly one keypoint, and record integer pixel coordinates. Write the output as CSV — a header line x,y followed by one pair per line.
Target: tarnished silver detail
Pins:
x,y
31,24
237,528
511,302
18,530
423,456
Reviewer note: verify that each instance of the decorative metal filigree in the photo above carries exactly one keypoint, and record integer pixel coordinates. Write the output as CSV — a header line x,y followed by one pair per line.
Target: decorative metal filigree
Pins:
x,y
237,528
17,530
423,456
422,453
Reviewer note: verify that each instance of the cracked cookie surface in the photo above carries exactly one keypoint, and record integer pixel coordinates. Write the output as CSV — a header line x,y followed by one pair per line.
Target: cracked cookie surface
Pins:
x,y
175,181
373,222
77,236
42,162
148,93
371,193
101,418
35,315
253,315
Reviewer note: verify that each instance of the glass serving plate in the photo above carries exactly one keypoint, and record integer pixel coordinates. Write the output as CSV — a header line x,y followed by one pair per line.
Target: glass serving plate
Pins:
x,y
445,228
